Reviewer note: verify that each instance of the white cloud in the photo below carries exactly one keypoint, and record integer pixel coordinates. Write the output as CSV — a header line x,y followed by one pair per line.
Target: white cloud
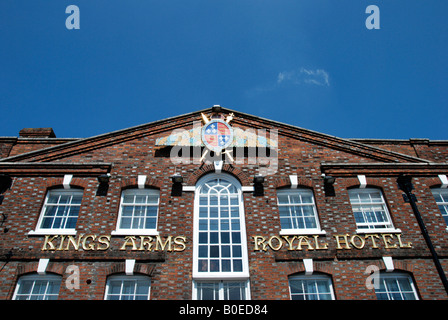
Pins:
x,y
302,76
317,77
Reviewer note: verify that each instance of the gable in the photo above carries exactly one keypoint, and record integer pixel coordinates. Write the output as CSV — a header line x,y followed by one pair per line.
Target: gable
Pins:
x,y
246,126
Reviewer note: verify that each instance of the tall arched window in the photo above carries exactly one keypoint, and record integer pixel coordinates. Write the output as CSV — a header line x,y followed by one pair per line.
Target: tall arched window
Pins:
x,y
220,245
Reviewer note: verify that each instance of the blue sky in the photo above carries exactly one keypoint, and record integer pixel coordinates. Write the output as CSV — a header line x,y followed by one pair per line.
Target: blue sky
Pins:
x,y
309,63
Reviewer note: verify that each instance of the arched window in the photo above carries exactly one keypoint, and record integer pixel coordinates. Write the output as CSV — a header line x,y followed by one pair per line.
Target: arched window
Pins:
x,y
38,287
220,248
311,287
396,286
124,287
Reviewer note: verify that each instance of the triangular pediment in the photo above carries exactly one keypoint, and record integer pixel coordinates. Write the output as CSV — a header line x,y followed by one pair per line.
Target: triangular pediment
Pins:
x,y
246,128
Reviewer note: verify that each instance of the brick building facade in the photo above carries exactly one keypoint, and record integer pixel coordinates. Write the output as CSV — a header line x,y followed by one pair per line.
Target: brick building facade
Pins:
x,y
160,211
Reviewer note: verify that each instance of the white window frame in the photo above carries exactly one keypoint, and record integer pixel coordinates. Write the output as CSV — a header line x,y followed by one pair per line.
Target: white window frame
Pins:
x,y
313,277
220,284
34,278
442,192
371,226
396,275
122,278
244,274
135,231
62,231
300,192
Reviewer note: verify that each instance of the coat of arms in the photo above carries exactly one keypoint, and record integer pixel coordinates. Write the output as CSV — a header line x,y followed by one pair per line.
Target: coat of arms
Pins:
x,y
217,135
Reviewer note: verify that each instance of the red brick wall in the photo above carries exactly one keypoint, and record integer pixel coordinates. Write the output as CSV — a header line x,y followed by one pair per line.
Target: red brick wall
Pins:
x,y
133,153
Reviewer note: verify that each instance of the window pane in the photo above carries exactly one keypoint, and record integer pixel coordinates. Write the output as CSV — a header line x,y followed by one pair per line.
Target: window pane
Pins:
x,y
225,251
214,212
150,223
53,198
125,223
203,237
128,199
286,223
214,237
224,224
224,212
46,223
226,267
282,199
214,265
214,251
213,224
203,251
225,237
71,223
203,212
237,265
213,200
236,237
152,199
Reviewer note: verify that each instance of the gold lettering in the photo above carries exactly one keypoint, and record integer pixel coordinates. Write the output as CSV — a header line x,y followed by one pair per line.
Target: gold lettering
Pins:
x,y
103,240
372,237
345,241
290,241
353,242
180,241
408,245
75,243
61,244
48,241
387,243
306,242
129,241
146,241
316,242
90,246
258,240
279,245
163,245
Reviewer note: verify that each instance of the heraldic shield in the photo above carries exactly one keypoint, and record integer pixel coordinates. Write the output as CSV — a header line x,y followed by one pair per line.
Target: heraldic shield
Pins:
x,y
217,135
